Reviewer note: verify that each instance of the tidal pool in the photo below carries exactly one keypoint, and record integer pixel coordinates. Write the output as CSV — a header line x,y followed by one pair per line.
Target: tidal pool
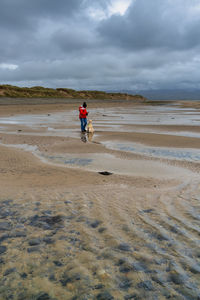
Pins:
x,y
97,162
162,152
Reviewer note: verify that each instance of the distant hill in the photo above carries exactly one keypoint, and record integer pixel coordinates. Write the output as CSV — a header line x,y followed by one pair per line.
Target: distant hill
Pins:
x,y
41,92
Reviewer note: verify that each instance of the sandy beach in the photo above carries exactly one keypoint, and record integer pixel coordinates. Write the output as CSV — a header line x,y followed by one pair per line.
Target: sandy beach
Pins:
x,y
69,232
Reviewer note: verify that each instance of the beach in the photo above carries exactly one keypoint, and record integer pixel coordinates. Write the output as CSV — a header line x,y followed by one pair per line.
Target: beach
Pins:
x,y
69,232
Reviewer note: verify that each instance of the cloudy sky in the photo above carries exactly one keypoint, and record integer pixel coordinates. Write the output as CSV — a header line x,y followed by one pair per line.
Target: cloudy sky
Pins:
x,y
104,44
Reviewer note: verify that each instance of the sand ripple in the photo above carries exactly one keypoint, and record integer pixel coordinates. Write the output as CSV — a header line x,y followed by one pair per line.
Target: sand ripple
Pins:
x,y
112,241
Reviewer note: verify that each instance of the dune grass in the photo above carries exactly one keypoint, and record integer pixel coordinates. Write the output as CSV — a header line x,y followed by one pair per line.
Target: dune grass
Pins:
x,y
42,92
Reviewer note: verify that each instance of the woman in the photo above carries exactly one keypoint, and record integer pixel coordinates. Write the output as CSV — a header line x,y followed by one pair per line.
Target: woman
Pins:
x,y
83,116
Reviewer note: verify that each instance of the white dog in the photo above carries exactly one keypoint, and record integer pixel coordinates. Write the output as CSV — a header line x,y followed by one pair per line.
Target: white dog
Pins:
x,y
90,128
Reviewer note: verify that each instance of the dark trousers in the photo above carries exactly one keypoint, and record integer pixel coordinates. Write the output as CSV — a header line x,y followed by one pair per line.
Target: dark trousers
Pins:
x,y
83,123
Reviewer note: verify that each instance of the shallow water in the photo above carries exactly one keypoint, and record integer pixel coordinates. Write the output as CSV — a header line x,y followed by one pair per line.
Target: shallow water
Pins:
x,y
102,162
149,115
162,152
109,119
116,241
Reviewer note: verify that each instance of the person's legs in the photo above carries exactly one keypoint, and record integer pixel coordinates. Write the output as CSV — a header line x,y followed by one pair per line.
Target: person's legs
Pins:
x,y
85,123
82,124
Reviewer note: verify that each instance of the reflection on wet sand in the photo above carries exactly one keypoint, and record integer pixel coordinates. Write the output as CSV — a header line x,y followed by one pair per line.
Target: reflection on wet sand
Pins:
x,y
86,136
67,232
83,137
90,136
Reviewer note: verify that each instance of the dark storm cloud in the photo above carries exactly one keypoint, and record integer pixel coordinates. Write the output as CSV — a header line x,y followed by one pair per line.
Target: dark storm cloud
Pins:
x,y
76,39
154,24
22,23
81,44
18,13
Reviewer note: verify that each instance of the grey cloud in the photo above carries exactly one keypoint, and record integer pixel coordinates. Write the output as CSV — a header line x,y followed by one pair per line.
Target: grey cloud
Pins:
x,y
108,71
57,43
74,39
26,27
22,12
153,24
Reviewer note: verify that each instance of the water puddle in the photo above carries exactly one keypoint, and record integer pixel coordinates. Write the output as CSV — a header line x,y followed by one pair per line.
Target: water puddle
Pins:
x,y
169,153
100,162
39,119
70,161
147,115
107,162
160,131
25,147
55,124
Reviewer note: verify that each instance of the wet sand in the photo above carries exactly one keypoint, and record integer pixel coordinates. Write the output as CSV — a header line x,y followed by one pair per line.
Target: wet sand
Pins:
x,y
68,232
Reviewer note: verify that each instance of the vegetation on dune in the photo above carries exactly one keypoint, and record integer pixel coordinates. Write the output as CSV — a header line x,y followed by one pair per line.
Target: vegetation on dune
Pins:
x,y
41,92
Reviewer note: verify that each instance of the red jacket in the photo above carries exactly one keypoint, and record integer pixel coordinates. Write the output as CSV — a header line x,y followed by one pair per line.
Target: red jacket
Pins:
x,y
82,112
